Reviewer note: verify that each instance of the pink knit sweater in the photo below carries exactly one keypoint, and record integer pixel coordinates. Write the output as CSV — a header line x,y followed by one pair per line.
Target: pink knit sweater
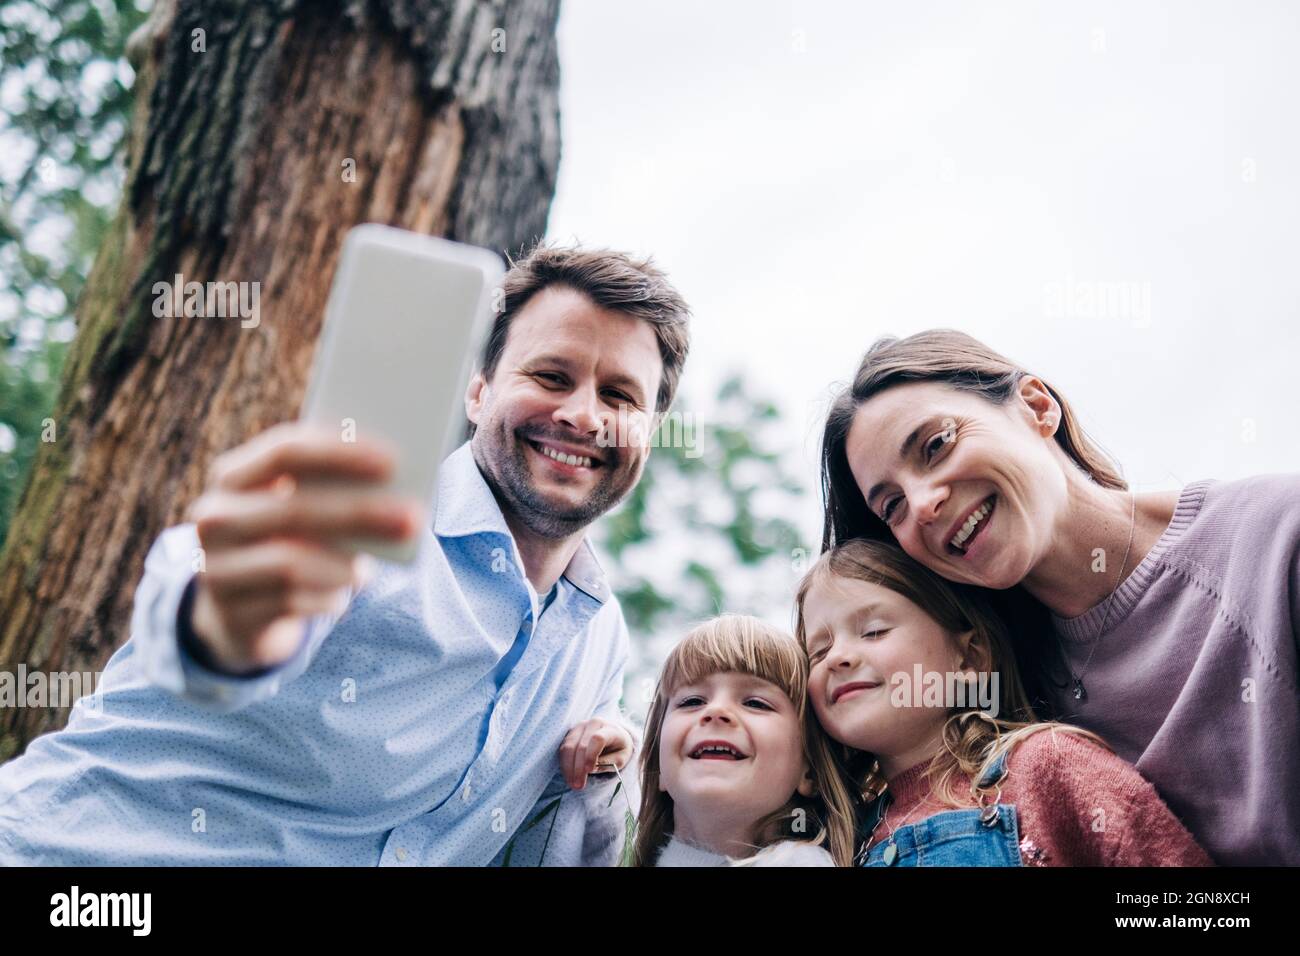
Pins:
x,y
1077,804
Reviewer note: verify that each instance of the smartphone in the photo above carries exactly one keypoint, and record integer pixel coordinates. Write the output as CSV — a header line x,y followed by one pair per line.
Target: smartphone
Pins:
x,y
406,319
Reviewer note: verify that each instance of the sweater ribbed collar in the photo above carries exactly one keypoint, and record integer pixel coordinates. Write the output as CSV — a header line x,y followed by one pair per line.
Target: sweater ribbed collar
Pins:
x,y
907,787
680,853
1087,625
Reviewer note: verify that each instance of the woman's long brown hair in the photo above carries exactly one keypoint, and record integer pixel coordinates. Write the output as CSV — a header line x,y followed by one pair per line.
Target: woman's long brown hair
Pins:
x,y
952,358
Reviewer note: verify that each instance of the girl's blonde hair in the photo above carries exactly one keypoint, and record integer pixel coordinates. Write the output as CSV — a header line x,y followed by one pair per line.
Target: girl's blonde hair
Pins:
x,y
973,739
734,643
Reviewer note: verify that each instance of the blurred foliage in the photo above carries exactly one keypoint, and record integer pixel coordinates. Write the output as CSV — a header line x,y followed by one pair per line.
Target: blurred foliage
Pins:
x,y
65,105
708,528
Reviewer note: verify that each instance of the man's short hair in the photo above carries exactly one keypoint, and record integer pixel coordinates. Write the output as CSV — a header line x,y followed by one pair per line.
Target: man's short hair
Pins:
x,y
612,280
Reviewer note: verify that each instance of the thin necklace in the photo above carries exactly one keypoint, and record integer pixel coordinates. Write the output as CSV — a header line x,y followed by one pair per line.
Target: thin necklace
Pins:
x,y
1080,693
891,851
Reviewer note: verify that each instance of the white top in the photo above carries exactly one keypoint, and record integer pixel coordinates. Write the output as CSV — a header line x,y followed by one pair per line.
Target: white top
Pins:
x,y
786,853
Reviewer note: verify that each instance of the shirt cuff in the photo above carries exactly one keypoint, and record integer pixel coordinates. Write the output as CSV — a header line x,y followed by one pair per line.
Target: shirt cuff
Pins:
x,y
206,682
167,658
193,648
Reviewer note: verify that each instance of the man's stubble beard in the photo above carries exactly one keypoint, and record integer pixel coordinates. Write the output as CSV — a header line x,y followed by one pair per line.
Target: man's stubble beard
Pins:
x,y
502,458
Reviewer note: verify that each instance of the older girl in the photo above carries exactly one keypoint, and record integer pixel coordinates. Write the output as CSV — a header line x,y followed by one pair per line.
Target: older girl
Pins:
x,y
946,763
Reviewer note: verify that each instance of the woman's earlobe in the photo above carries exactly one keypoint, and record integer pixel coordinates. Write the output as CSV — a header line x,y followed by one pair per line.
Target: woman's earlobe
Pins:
x,y
1042,406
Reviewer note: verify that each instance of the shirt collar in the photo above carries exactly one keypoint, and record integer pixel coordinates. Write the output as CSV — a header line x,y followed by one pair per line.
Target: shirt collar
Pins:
x,y
466,506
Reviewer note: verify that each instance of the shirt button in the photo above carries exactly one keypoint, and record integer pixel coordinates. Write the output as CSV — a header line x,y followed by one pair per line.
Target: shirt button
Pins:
x,y
400,854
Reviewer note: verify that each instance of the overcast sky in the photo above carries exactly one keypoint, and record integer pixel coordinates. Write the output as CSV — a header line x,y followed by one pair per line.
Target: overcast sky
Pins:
x,y
1105,192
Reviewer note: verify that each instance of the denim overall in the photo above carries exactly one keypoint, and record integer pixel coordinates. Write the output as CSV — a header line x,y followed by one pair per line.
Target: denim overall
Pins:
x,y
970,837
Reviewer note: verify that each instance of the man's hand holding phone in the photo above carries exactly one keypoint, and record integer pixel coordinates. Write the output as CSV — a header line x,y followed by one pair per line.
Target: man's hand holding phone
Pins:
x,y
283,516
272,522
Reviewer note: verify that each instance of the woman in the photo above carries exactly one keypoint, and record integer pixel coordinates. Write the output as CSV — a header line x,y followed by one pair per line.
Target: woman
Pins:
x,y
1166,622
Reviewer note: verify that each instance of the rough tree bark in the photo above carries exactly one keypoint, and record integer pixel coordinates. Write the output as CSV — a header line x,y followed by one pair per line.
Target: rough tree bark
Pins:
x,y
449,109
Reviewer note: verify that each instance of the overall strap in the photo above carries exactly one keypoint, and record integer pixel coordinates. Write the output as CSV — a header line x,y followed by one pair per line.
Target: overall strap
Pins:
x,y
868,822
874,813
996,772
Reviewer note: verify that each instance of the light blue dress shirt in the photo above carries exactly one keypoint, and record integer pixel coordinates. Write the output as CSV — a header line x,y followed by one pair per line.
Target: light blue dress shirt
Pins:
x,y
420,727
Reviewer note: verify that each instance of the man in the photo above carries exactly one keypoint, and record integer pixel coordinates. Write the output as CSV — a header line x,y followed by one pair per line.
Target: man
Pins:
x,y
277,708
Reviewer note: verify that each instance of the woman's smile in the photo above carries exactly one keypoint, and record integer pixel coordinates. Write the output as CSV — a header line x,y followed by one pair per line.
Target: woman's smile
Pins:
x,y
962,539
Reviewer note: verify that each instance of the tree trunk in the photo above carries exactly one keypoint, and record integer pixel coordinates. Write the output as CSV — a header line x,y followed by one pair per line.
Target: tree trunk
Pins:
x,y
238,170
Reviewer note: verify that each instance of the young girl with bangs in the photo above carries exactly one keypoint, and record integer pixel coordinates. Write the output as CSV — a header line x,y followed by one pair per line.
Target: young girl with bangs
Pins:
x,y
967,777
731,766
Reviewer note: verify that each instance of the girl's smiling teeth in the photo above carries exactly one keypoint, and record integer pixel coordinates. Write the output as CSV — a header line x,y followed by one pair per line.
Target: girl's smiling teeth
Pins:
x,y
974,524
716,750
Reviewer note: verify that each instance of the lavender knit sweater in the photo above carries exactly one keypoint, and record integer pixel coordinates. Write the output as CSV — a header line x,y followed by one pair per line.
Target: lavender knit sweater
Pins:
x,y
1195,679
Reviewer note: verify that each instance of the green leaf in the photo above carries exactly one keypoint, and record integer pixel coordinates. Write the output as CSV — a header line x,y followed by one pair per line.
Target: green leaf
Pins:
x,y
550,808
